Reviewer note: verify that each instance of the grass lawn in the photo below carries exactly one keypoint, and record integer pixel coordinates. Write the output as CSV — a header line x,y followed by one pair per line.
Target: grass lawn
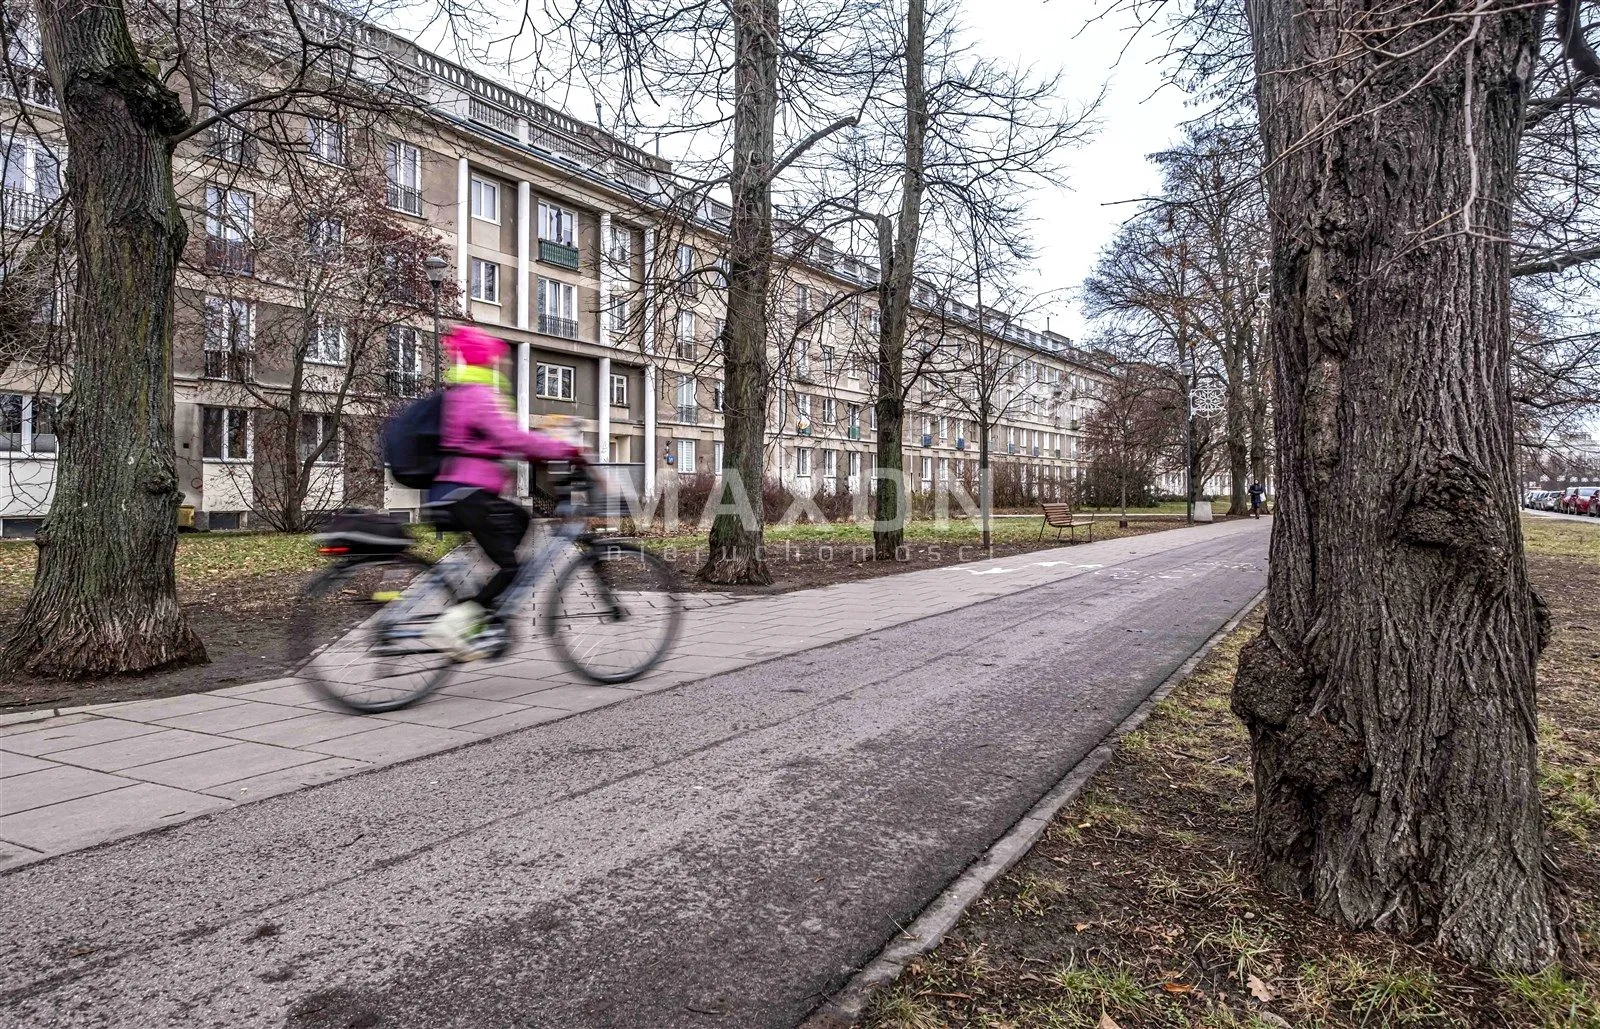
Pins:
x,y
1138,907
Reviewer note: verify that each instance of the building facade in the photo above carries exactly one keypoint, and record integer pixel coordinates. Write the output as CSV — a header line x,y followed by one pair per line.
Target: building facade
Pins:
x,y
553,237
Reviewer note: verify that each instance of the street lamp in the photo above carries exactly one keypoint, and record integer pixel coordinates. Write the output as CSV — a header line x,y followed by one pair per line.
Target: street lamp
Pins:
x,y
437,269
1186,368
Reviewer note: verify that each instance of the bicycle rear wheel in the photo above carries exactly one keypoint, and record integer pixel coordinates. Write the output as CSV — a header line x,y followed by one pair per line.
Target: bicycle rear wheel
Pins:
x,y
356,636
615,612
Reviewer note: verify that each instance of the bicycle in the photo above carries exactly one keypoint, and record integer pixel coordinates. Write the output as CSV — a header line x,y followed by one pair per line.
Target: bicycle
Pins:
x,y
356,636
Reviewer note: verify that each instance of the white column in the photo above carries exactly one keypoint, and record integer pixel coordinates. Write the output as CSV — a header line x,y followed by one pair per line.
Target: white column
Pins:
x,y
524,254
605,279
649,315
524,377
463,225
603,406
649,429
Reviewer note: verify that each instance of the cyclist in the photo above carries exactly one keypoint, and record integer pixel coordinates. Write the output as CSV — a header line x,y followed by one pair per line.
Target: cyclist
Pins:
x,y
478,435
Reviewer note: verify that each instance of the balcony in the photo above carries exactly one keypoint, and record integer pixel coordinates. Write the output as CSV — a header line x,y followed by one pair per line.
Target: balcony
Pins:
x,y
22,209
230,256
405,198
402,384
562,255
566,328
688,414
1035,451
927,439
229,143
687,350
853,432
961,444
31,87
233,365
802,427
494,117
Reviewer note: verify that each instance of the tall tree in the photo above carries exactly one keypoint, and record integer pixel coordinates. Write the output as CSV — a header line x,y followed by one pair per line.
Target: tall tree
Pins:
x,y
104,596
1390,698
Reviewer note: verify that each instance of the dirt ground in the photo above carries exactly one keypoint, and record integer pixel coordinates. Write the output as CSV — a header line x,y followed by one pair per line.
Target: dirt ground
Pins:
x,y
238,592
1138,907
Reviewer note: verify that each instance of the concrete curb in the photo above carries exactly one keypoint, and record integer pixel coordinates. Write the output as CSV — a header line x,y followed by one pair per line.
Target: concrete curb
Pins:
x,y
846,1007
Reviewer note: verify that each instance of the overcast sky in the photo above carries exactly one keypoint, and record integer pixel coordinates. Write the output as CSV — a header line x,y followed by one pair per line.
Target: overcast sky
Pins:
x,y
1138,118
1072,223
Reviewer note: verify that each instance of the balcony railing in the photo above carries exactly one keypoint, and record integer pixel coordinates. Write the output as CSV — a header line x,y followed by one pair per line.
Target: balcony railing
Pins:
x,y
487,114
688,414
686,349
230,256
562,255
853,432
566,328
233,365
232,145
23,210
30,86
405,198
927,439
961,444
403,384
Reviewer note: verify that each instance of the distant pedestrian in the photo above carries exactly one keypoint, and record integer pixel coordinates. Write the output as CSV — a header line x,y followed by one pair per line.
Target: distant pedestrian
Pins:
x,y
1258,497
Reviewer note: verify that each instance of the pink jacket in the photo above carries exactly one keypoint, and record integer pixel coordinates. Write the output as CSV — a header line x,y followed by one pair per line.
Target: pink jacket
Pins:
x,y
479,434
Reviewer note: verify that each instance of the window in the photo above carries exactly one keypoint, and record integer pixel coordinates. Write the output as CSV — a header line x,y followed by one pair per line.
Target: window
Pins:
x,y
685,337
827,360
944,428
619,248
229,140
553,382
324,237
802,302
685,266
404,369
485,200
325,140
872,321
830,464
927,425
619,391
685,456
558,308
716,457
230,226
32,179
927,472
717,397
852,416
315,429
944,470
802,462
403,164
225,433
619,312
802,406
830,412
556,224
688,404
28,423
485,281
229,338
326,345
853,465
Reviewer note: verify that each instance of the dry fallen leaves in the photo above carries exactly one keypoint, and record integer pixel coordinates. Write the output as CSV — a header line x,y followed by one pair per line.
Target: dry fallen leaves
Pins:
x,y
1260,990
1107,1022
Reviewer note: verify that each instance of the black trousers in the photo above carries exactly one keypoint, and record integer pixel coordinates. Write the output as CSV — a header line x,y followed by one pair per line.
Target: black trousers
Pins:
x,y
499,526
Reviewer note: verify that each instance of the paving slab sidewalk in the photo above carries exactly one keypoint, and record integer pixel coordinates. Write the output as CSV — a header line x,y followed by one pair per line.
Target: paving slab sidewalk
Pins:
x,y
98,773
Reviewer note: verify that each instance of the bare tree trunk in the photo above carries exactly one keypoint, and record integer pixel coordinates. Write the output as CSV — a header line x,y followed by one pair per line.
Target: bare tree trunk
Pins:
x,y
105,594
1390,698
736,553
899,262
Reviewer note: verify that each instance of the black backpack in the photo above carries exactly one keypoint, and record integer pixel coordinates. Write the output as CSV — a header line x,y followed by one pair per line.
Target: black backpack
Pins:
x,y
413,444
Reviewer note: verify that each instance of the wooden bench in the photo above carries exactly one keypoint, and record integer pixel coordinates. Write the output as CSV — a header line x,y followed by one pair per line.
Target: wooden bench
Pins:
x,y
1060,516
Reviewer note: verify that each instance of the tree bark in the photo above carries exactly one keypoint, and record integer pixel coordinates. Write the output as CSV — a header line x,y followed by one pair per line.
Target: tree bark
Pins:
x,y
899,261
1390,698
105,595
736,541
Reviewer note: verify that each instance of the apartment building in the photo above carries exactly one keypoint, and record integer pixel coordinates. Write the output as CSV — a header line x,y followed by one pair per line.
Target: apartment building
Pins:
x,y
553,237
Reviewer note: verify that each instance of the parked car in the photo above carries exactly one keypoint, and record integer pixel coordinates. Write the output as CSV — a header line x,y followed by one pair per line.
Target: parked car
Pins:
x,y
1545,500
1552,502
1577,499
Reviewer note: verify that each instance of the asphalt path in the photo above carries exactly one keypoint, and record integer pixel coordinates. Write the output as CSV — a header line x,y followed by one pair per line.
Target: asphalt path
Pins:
x,y
723,854
1560,515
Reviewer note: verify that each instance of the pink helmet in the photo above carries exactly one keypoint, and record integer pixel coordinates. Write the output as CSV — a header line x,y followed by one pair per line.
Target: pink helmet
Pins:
x,y
471,345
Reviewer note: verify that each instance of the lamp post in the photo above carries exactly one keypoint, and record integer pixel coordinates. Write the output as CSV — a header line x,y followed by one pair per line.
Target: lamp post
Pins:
x,y
1186,369
436,268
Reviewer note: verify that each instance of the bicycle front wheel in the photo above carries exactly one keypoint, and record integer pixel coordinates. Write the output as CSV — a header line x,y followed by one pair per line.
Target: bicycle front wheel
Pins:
x,y
356,636
615,612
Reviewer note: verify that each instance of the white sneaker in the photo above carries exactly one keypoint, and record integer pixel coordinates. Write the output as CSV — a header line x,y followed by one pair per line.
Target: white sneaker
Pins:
x,y
452,632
